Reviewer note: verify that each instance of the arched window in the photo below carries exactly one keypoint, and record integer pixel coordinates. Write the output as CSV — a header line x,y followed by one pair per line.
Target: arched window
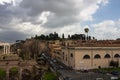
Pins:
x,y
97,56
86,57
116,56
107,56
71,55
63,53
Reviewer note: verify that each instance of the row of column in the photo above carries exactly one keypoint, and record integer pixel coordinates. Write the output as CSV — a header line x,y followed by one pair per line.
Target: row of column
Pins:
x,y
6,49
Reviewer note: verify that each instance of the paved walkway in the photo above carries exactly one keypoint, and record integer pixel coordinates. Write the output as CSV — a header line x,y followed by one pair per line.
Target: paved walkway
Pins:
x,y
73,75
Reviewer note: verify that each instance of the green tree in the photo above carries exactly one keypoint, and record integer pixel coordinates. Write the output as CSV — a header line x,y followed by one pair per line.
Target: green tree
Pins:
x,y
69,36
51,36
2,74
56,36
63,36
86,31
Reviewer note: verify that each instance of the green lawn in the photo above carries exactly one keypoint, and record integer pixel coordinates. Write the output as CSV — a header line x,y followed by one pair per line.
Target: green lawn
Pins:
x,y
2,74
49,76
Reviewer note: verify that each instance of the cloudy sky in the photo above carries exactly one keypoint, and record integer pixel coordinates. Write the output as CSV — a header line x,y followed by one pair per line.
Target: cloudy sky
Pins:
x,y
21,19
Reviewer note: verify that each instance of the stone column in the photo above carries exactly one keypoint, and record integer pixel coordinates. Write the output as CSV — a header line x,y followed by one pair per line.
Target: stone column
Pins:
x,y
7,70
9,49
7,73
20,73
4,49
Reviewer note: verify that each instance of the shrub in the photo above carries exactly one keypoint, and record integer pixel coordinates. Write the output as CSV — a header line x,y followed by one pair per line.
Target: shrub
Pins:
x,y
49,76
14,71
114,63
2,74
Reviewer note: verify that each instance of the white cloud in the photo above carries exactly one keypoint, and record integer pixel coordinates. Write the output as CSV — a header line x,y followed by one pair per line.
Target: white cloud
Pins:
x,y
65,12
43,17
3,1
107,29
30,17
87,13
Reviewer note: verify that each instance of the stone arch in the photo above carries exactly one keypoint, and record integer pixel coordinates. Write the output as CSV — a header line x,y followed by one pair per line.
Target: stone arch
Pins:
x,y
107,56
86,57
71,54
26,74
13,73
97,56
14,69
116,56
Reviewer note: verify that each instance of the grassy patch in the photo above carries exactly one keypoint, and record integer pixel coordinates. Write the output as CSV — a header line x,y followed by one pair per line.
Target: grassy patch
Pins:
x,y
14,70
2,74
49,76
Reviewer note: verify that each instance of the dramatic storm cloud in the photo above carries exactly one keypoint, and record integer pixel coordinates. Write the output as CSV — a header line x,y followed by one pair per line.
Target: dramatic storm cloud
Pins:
x,y
20,19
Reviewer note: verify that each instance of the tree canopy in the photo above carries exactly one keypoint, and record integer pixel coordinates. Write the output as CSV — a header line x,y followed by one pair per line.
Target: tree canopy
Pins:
x,y
55,36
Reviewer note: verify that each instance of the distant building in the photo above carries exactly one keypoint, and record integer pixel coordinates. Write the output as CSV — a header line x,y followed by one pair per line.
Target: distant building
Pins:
x,y
80,54
55,47
90,57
